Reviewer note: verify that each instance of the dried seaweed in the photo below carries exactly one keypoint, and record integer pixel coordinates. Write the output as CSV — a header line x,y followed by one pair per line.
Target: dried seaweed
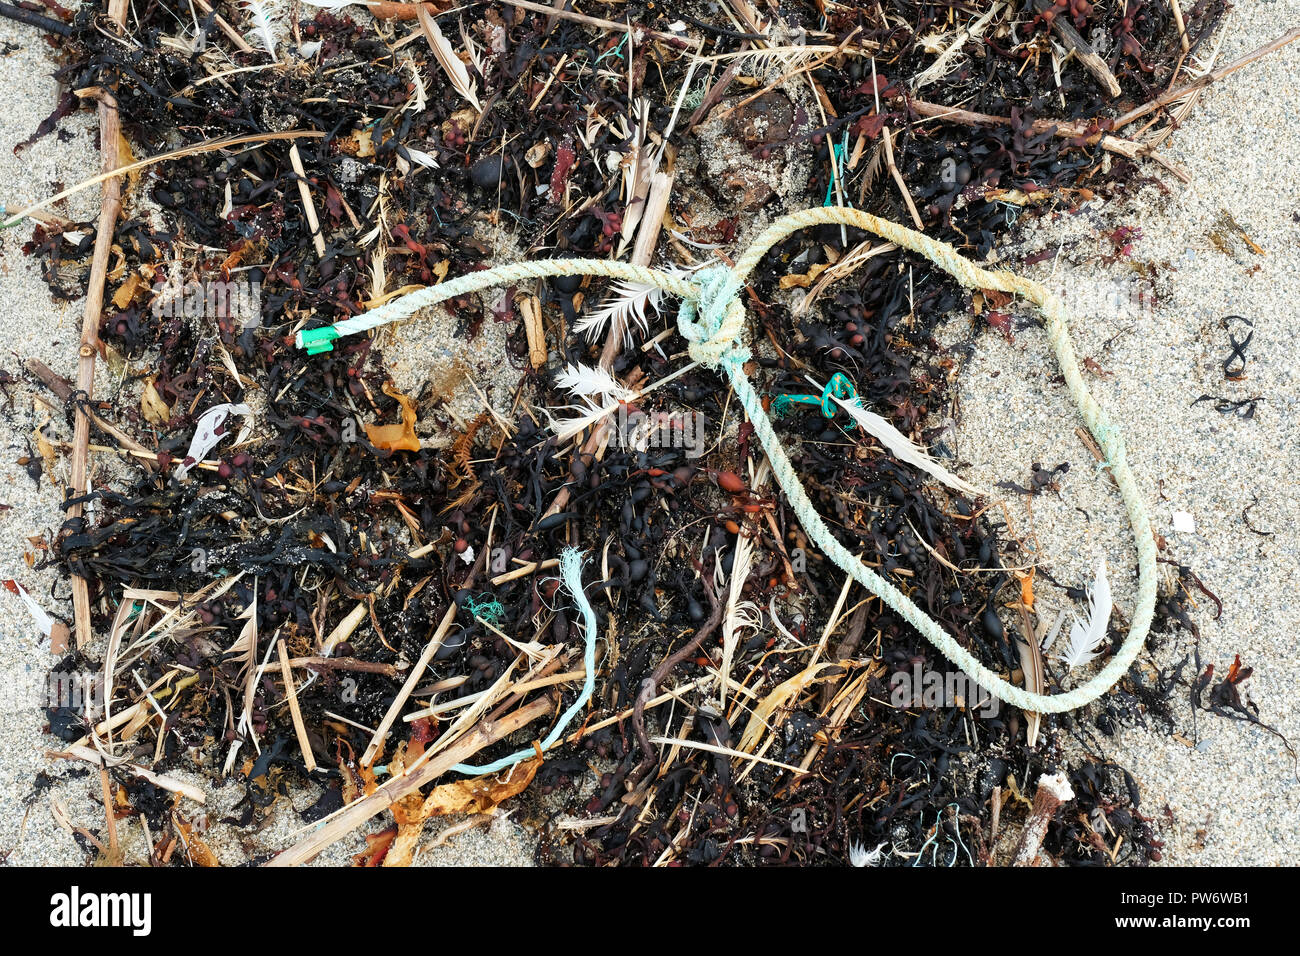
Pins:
x,y
315,527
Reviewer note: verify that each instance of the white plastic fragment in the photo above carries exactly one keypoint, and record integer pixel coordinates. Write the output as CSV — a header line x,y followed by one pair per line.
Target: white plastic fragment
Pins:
x,y
208,432
1184,523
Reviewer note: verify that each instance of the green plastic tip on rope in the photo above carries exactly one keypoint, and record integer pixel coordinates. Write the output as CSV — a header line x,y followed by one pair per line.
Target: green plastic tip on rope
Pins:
x,y
713,321
316,341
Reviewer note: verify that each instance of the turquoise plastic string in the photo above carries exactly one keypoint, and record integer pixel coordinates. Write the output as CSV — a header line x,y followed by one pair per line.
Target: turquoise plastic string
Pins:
x,y
571,577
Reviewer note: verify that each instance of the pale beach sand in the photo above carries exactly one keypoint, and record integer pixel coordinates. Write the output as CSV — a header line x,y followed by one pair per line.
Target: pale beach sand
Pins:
x,y
1224,794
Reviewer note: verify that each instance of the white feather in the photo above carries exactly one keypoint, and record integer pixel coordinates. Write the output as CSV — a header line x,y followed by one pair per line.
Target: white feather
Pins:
x,y
627,305
901,447
420,101
586,381
582,417
421,158
262,18
741,615
448,59
859,855
1086,637
472,51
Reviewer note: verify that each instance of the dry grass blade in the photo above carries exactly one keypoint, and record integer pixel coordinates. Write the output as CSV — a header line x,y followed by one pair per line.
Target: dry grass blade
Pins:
x,y
888,140
247,645
781,695
359,811
291,693
846,266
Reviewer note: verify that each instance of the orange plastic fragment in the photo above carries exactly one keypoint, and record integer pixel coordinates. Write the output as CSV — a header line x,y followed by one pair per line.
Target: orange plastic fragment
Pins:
x,y
396,437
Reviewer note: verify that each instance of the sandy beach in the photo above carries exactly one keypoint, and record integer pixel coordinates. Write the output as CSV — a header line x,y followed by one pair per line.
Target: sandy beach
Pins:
x,y
1224,793
1220,792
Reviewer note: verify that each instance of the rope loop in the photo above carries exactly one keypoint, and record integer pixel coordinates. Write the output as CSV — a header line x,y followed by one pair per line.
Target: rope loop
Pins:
x,y
712,320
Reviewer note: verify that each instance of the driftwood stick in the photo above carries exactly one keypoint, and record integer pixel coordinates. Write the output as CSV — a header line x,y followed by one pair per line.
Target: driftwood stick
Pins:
x,y
530,308
291,693
1083,49
1212,77
1053,790
525,570
109,133
346,664
715,93
1069,130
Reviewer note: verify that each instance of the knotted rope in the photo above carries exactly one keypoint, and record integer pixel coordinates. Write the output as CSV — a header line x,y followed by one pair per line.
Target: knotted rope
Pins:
x,y
712,320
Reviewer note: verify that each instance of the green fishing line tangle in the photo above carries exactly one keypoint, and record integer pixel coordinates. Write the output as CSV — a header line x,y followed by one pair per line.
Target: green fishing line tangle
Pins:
x,y
486,607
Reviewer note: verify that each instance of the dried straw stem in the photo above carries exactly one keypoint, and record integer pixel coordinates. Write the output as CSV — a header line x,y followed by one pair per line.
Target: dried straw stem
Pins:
x,y
109,134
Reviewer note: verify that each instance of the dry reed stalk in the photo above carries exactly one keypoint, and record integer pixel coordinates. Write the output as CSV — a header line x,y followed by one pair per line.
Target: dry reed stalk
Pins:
x,y
359,811
109,137
898,179
291,692
395,708
309,208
